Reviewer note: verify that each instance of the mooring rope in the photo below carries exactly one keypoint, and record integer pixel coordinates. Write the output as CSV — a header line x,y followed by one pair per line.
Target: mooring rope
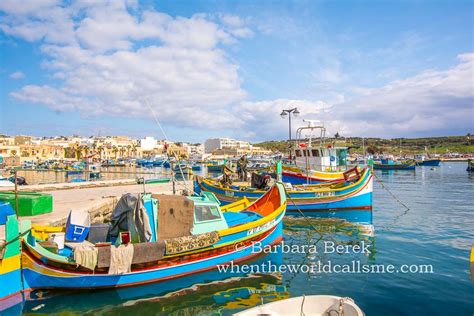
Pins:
x,y
302,214
396,218
390,192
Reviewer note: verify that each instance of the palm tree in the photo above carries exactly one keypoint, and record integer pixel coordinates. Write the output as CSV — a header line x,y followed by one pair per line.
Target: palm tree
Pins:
x,y
86,150
78,150
114,150
134,150
101,151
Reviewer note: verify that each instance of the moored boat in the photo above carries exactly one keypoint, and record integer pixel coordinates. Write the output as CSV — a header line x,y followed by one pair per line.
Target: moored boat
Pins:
x,y
428,162
214,167
307,305
314,159
153,180
10,268
296,175
5,182
395,165
182,168
470,165
188,243
354,194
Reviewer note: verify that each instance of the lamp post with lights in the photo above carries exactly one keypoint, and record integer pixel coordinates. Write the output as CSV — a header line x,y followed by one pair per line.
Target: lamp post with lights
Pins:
x,y
289,113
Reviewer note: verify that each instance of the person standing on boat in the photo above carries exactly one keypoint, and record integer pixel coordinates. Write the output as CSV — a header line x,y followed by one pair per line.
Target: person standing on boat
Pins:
x,y
242,168
226,180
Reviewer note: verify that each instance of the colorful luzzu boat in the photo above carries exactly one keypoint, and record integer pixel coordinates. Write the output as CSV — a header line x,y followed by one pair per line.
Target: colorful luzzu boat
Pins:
x,y
212,241
10,271
314,159
312,200
297,175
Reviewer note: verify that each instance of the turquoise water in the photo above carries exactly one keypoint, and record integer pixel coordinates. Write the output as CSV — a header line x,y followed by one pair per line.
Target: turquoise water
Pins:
x,y
437,230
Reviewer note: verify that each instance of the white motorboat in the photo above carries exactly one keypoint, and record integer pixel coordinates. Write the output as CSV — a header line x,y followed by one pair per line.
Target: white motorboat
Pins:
x,y
314,305
4,182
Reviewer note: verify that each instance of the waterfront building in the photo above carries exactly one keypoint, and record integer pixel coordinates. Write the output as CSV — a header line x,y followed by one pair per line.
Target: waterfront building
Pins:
x,y
228,143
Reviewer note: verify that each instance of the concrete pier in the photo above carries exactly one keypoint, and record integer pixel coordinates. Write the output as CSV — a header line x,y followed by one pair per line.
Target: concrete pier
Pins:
x,y
97,198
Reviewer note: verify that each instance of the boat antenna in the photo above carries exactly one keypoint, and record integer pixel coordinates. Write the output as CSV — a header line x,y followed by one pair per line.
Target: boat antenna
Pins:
x,y
166,138
156,119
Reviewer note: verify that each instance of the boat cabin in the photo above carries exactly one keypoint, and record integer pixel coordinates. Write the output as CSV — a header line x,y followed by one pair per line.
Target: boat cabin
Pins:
x,y
312,152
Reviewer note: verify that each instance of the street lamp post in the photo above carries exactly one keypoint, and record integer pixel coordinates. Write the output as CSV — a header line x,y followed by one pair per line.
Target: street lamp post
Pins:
x,y
289,112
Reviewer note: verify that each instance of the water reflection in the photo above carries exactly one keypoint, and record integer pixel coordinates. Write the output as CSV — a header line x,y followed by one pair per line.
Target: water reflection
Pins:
x,y
208,293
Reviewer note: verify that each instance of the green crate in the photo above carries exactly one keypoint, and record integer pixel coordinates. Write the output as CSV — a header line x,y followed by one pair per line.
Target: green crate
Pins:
x,y
29,203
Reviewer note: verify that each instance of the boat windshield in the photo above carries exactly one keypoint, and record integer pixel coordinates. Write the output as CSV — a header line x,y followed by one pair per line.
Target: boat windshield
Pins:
x,y
206,213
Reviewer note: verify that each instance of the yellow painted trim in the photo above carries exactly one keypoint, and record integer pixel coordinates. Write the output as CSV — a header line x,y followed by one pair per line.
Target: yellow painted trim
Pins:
x,y
308,188
42,232
237,206
10,264
472,254
319,174
250,225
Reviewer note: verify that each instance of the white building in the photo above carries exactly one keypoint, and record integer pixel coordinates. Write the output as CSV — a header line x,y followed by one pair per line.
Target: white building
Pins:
x,y
148,143
225,143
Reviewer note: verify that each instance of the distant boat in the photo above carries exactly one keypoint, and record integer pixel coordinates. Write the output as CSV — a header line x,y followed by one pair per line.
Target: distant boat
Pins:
x,y
429,162
4,182
196,167
307,305
182,168
153,180
214,167
421,160
470,166
395,165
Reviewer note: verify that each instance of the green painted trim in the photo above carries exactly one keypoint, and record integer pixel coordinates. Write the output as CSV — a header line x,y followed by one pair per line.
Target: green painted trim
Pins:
x,y
12,235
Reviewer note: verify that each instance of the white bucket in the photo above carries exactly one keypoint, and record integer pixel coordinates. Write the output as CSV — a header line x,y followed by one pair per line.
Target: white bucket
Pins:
x,y
58,238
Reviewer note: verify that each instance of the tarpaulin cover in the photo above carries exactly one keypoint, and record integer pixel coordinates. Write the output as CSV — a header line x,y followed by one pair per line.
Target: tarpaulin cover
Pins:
x,y
175,216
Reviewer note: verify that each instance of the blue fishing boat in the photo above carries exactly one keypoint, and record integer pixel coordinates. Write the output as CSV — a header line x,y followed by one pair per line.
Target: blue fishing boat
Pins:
x,y
312,200
182,168
188,243
196,167
387,164
421,160
214,168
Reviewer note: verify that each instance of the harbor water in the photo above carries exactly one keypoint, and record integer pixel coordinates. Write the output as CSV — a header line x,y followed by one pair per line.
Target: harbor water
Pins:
x,y
435,230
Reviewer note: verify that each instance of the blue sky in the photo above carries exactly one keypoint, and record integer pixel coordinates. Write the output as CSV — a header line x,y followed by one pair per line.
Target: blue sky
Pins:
x,y
228,68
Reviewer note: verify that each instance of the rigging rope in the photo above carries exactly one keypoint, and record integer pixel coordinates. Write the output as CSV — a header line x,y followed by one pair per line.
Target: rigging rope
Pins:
x,y
396,218
302,214
390,192
166,138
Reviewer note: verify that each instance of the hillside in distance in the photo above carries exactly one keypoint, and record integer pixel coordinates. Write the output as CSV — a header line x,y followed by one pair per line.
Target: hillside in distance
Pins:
x,y
432,145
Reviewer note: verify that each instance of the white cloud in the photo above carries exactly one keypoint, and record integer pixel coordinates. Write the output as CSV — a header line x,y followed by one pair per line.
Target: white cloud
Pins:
x,y
432,102
112,57
116,59
17,75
